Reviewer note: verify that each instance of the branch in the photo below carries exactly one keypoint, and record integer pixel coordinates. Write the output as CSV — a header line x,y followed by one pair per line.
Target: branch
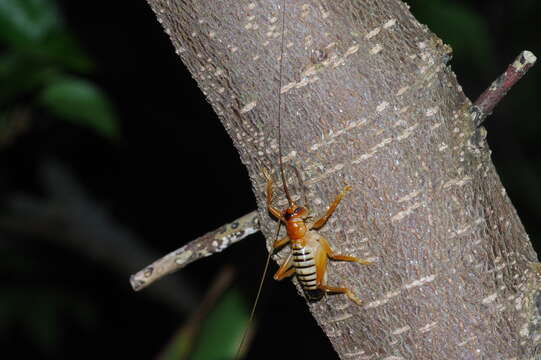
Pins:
x,y
206,245
485,104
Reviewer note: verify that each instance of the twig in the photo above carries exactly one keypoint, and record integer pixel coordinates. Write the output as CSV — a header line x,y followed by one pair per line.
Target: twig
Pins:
x,y
488,100
206,245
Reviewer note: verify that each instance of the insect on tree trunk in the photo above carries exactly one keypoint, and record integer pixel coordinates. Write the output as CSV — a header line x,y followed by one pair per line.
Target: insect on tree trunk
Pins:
x,y
368,100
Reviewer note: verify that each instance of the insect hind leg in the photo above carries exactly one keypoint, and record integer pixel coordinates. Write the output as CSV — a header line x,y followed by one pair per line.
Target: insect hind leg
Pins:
x,y
340,290
321,268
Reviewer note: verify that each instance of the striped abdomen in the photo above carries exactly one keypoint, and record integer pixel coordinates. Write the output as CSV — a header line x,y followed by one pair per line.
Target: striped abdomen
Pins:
x,y
305,267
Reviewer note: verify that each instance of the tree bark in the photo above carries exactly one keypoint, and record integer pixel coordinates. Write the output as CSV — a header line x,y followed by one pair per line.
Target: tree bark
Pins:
x,y
368,100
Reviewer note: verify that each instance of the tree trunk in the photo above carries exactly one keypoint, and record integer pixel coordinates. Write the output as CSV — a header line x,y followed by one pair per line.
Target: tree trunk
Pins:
x,y
368,100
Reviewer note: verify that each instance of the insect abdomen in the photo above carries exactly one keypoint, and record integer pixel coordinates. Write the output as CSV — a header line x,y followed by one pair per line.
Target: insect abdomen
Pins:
x,y
305,268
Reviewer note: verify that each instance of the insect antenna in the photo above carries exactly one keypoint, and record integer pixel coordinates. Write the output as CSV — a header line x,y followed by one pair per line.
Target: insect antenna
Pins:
x,y
286,190
302,186
256,301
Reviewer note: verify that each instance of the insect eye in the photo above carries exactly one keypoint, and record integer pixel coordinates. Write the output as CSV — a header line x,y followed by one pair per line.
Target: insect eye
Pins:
x,y
297,210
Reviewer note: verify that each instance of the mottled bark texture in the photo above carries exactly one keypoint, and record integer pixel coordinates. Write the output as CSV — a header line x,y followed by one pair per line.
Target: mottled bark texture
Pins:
x,y
369,101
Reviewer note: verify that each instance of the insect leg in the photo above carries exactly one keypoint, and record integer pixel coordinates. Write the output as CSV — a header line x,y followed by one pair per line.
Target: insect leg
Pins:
x,y
281,242
332,255
321,268
321,221
286,269
275,212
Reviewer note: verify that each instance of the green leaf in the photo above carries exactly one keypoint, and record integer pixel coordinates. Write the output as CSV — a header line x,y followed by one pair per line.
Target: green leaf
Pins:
x,y
222,331
35,29
61,48
27,21
216,336
20,75
179,347
81,102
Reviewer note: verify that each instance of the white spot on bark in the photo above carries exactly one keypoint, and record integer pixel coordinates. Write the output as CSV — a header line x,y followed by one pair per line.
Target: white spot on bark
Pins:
x,y
331,45
457,182
524,330
289,156
431,111
372,33
402,90
489,298
407,132
382,106
287,87
384,300
352,50
389,24
409,196
402,214
420,282
435,126
376,49
400,330
248,107
353,354
428,327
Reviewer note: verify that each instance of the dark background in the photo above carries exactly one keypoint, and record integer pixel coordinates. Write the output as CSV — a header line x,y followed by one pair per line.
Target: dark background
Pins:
x,y
172,174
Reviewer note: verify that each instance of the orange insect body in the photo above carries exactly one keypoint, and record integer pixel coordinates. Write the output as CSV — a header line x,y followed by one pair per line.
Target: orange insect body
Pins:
x,y
295,226
309,250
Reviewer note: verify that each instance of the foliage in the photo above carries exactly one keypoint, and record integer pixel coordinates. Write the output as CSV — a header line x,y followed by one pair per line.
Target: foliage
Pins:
x,y
216,337
35,68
